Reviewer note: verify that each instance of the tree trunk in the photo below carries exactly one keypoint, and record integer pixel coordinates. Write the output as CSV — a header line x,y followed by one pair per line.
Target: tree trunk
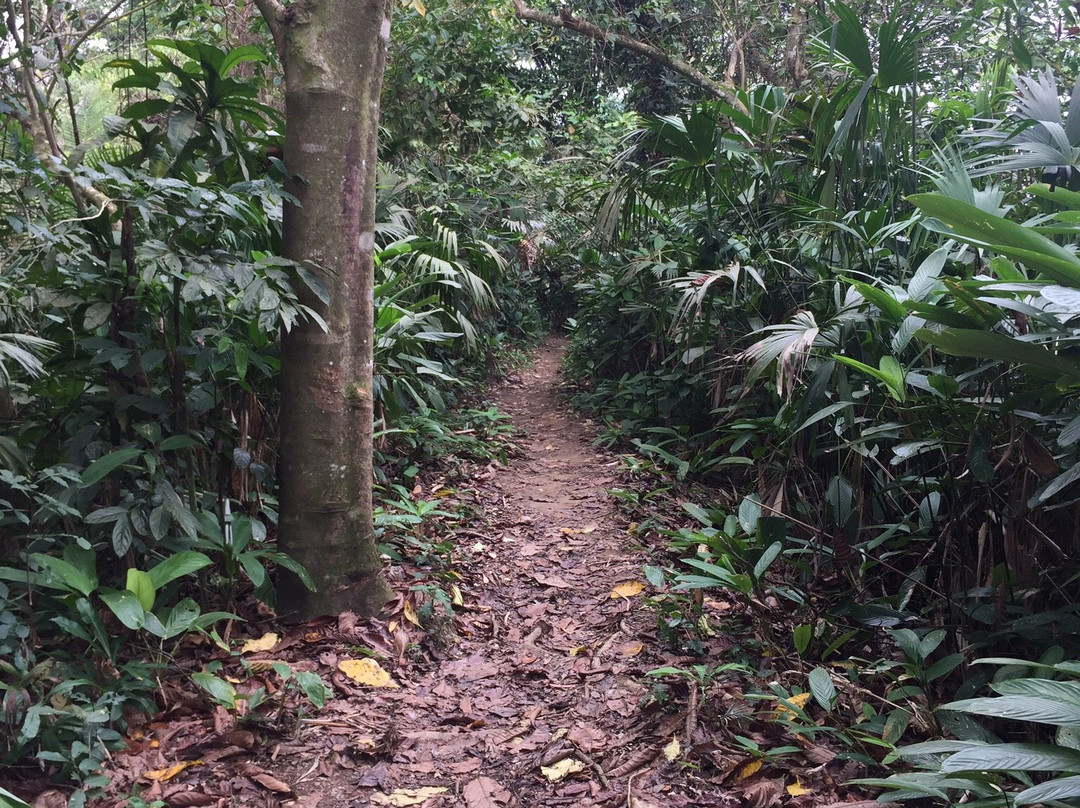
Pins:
x,y
334,54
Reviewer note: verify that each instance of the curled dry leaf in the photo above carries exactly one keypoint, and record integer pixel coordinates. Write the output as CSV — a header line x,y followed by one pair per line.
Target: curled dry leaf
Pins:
x,y
564,768
164,775
797,789
366,672
627,589
264,643
404,797
672,750
749,770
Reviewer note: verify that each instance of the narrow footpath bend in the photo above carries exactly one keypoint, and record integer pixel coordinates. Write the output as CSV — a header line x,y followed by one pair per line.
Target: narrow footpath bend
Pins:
x,y
541,699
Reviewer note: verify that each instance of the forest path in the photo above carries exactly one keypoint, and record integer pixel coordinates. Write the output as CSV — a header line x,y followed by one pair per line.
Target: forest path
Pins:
x,y
537,698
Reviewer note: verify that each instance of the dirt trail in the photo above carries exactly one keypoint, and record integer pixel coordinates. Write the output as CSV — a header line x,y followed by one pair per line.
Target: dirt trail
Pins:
x,y
537,700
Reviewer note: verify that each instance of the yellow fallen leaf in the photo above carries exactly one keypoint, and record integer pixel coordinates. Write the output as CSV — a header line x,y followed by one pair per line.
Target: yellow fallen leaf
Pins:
x,y
627,589
407,796
569,531
672,750
631,649
410,615
264,643
749,770
562,769
164,775
799,700
457,599
366,672
578,649
797,789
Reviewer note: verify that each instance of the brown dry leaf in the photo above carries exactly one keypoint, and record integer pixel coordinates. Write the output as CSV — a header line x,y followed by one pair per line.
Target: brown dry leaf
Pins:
x,y
551,580
627,589
410,615
797,789
407,796
307,801
569,531
270,782
483,792
366,672
749,770
630,649
264,643
191,799
762,794
672,750
562,769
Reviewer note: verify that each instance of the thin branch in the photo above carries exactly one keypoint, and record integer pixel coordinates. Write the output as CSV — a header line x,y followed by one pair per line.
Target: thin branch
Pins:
x,y
274,13
571,23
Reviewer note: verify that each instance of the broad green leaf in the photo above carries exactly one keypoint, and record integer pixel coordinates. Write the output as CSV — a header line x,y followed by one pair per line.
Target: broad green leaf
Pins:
x,y
766,559
990,345
1061,196
1044,688
177,566
969,223
220,691
66,574
822,688
142,587
1014,757
1021,708
180,618
801,636
126,606
177,442
101,467
1060,789
9,800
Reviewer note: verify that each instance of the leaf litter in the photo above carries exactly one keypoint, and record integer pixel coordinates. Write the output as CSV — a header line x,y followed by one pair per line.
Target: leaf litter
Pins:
x,y
533,692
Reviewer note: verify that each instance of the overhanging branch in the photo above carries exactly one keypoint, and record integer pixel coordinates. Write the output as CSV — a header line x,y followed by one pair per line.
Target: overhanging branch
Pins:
x,y
585,28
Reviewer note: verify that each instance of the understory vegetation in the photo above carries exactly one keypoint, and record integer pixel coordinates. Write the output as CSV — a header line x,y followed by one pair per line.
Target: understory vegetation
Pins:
x,y
829,321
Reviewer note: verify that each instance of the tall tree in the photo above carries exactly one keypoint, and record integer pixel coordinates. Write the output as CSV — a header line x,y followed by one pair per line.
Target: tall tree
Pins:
x,y
334,55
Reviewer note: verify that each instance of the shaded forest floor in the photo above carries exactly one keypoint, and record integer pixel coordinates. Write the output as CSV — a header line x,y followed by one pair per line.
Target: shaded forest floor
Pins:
x,y
533,692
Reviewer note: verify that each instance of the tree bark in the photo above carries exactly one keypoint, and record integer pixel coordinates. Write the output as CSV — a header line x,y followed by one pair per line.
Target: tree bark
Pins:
x,y
334,55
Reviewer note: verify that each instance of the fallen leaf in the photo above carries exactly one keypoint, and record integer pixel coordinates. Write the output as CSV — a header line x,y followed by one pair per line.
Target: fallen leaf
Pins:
x,y
164,775
410,615
749,770
264,643
562,769
672,750
762,794
270,782
407,796
799,700
627,589
192,799
483,792
797,789
630,649
366,672
552,581
457,599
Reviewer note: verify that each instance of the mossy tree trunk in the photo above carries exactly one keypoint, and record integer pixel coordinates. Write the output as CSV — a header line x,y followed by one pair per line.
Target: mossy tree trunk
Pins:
x,y
334,55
